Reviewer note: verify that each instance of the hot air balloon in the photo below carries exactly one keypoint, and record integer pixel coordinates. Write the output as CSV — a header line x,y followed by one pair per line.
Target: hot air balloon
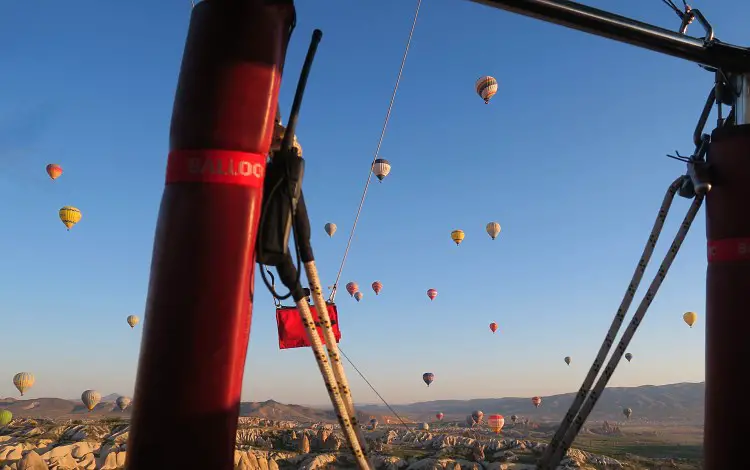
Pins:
x,y
567,360
133,320
358,295
457,236
690,318
54,171
496,423
627,412
439,416
330,229
374,423
381,167
514,418
23,381
470,421
5,417
493,326
377,286
493,229
428,378
431,293
123,402
351,288
536,401
69,216
628,356
486,88
91,398
423,427
477,416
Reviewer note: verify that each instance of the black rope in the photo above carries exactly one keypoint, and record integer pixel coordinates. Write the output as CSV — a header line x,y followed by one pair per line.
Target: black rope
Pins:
x,y
373,389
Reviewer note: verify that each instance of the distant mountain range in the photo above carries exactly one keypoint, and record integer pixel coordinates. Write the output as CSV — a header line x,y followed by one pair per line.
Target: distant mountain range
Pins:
x,y
682,402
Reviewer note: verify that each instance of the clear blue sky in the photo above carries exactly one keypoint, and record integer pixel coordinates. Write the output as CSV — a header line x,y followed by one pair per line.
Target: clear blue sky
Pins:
x,y
568,157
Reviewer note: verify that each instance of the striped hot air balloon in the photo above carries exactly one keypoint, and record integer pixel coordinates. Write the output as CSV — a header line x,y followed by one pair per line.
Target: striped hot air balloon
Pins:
x,y
352,287
493,229
377,286
123,402
69,216
23,381
457,236
496,423
133,320
381,167
91,398
486,88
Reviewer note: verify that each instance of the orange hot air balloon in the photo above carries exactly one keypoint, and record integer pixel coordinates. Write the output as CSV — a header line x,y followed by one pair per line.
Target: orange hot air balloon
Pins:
x,y
377,286
536,401
493,326
496,423
54,171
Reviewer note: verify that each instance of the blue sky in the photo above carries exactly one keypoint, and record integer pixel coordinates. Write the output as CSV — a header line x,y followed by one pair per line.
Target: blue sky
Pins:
x,y
568,157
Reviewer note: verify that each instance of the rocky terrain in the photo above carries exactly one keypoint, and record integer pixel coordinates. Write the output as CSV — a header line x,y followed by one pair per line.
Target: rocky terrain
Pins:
x,y
44,444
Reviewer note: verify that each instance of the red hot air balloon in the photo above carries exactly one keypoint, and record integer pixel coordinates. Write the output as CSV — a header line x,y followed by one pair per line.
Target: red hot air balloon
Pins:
x,y
377,286
536,401
432,293
351,288
496,423
439,416
54,171
493,326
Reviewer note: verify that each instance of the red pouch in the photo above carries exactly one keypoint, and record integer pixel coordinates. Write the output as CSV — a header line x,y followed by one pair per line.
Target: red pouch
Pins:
x,y
292,332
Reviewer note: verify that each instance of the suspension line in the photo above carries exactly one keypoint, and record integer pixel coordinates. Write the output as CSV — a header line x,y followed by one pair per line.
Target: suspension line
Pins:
x,y
586,398
377,151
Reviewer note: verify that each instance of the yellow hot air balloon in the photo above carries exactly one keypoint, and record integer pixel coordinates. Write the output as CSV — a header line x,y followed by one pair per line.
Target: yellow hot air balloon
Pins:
x,y
690,318
457,236
23,381
133,320
69,216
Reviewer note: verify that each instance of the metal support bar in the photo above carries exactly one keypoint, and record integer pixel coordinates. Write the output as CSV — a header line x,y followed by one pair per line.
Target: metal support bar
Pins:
x,y
742,105
620,28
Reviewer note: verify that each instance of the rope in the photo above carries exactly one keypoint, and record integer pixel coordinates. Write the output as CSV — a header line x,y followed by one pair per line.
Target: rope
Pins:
x,y
373,389
311,271
350,433
584,401
377,151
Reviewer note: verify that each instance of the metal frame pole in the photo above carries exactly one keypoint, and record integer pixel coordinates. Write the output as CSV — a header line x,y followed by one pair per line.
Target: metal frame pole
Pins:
x,y
705,51
199,306
728,287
